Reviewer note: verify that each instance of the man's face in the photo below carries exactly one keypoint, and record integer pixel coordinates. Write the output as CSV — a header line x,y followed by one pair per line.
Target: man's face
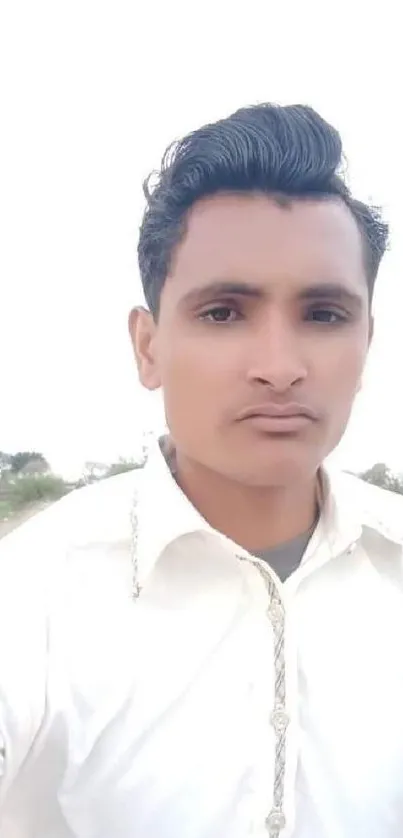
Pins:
x,y
262,336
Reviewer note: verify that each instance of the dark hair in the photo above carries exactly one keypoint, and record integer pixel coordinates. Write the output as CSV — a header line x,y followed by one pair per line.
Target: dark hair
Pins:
x,y
284,151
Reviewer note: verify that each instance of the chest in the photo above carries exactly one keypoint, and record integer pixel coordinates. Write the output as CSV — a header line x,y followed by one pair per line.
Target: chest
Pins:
x,y
163,715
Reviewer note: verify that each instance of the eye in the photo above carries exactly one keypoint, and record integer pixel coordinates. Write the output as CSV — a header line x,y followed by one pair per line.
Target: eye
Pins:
x,y
220,314
327,316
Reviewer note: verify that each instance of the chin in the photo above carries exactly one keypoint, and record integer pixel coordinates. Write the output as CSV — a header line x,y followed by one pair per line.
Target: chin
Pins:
x,y
277,470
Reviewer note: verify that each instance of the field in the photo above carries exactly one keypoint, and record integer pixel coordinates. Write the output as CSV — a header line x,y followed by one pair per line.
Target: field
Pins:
x,y
12,520
23,497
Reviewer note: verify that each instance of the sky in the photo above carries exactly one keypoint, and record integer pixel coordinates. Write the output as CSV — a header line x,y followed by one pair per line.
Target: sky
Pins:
x,y
91,93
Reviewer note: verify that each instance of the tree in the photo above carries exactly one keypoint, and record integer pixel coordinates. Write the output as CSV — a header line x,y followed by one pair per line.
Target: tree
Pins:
x,y
93,471
380,475
21,459
396,484
4,462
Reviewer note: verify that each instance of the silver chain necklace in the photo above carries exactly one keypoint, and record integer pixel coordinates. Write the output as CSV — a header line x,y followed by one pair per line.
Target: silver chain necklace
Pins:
x,y
135,593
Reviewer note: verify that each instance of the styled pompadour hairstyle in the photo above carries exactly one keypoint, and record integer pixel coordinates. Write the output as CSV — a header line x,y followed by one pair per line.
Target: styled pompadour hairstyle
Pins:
x,y
287,152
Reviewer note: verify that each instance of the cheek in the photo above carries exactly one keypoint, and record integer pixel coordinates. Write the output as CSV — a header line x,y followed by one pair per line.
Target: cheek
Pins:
x,y
337,384
195,380
341,374
197,362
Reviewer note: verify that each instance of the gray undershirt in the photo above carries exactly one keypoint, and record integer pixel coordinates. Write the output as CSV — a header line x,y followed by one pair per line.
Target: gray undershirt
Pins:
x,y
286,558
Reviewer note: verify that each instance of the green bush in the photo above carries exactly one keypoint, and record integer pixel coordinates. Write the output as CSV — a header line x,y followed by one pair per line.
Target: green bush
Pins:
x,y
122,467
37,487
6,510
380,475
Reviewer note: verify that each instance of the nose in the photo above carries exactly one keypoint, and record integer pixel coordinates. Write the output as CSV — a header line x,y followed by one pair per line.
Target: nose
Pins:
x,y
277,359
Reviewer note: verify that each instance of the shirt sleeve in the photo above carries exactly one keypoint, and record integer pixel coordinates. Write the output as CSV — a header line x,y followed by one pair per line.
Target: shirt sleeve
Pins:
x,y
23,644
2,756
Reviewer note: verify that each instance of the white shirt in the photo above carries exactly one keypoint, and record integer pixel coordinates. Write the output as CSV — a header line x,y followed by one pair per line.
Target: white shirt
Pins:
x,y
219,703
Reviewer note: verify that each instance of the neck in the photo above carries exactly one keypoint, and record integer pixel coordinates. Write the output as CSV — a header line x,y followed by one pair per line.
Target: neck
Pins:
x,y
256,518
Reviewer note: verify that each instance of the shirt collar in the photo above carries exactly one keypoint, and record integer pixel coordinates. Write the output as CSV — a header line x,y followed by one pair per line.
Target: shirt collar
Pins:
x,y
164,514
349,507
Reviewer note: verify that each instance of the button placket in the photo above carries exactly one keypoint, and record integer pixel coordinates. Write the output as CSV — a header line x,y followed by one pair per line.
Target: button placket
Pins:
x,y
276,820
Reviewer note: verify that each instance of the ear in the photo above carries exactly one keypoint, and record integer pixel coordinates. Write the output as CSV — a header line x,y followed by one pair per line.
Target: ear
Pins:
x,y
371,331
370,338
143,333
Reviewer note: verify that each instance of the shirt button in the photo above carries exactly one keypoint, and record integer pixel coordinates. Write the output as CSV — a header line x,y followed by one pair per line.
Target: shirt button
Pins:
x,y
279,719
275,822
276,613
136,590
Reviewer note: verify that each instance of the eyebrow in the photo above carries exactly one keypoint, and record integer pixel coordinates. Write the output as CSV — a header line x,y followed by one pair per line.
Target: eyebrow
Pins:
x,y
222,288
334,291
326,291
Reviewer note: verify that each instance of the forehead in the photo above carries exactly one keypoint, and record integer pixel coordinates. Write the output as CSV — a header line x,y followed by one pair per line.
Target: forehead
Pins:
x,y
254,238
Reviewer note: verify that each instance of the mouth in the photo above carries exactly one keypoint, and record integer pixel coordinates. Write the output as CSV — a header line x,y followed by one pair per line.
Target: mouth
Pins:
x,y
279,419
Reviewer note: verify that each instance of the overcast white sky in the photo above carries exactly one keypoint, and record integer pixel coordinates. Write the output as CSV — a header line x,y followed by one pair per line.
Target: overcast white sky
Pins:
x,y
91,93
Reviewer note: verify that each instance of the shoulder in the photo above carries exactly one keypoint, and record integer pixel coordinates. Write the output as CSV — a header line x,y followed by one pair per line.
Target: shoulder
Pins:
x,y
39,562
94,514
53,550
378,509
67,563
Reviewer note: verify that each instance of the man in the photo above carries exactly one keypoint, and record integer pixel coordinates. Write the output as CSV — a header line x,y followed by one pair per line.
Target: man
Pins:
x,y
212,647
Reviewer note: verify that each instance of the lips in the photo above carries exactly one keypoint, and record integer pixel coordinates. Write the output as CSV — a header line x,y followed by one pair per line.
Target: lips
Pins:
x,y
272,410
275,418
